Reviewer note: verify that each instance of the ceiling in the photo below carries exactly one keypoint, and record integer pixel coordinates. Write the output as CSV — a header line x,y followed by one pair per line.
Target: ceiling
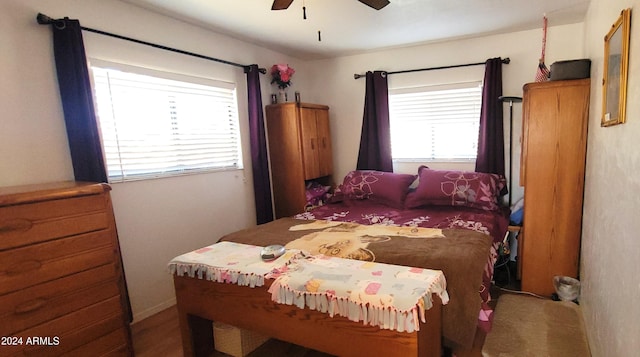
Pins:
x,y
349,27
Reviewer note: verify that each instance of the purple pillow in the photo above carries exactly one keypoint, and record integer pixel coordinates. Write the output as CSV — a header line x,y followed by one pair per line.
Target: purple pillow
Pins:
x,y
384,187
457,188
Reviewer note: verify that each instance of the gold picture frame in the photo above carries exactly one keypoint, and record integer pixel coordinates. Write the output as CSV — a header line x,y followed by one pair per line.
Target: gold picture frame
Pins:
x,y
616,67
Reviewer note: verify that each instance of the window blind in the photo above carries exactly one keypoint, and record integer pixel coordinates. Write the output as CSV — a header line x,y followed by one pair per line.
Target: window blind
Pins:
x,y
153,126
436,122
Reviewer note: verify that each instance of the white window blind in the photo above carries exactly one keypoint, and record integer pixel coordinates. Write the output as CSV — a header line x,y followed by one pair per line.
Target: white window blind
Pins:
x,y
437,123
159,124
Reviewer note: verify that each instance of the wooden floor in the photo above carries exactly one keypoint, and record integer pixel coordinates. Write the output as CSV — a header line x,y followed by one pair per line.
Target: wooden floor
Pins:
x,y
159,335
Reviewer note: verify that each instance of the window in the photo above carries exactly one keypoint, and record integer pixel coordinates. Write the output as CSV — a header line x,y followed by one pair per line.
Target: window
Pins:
x,y
436,123
157,124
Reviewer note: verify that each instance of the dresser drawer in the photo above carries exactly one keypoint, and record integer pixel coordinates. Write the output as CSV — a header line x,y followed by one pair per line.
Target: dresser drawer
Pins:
x,y
72,331
41,221
38,263
35,305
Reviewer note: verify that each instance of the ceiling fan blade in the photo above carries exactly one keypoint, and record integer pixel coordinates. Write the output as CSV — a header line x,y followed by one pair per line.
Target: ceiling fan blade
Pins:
x,y
376,4
281,4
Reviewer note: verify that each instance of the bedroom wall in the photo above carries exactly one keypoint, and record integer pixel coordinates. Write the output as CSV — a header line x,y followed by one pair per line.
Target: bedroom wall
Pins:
x,y
157,219
610,244
345,95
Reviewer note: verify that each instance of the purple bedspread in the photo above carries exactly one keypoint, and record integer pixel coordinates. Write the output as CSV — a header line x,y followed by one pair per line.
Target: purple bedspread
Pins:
x,y
492,223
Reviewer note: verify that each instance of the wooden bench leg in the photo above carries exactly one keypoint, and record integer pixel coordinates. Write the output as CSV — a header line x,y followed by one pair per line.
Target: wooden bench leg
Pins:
x,y
429,336
197,335
201,335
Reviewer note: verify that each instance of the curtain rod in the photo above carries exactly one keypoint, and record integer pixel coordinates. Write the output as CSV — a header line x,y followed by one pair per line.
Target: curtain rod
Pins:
x,y
504,60
46,20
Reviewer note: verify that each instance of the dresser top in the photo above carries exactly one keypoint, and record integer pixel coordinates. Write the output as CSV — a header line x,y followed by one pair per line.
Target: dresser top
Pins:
x,y
15,195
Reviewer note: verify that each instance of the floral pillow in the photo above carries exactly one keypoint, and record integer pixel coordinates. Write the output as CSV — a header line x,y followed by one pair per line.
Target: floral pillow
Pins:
x,y
384,187
457,188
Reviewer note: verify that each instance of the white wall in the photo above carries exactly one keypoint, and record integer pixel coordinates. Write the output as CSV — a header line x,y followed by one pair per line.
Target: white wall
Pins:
x,y
336,86
157,219
610,238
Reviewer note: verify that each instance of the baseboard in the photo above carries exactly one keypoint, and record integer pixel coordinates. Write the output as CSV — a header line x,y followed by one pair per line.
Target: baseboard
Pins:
x,y
137,317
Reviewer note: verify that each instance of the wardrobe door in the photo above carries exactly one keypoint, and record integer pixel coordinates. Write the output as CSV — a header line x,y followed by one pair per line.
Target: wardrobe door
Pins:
x,y
325,158
554,152
310,143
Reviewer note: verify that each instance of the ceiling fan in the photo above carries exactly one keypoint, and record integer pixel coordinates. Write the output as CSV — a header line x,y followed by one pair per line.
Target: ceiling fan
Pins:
x,y
376,4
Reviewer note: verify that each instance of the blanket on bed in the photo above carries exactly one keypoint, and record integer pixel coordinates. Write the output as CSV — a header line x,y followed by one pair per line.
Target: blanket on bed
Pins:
x,y
493,223
461,254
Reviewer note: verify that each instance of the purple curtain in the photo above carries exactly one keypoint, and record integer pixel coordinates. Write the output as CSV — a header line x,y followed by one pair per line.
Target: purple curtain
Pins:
x,y
79,115
257,138
491,136
77,101
375,139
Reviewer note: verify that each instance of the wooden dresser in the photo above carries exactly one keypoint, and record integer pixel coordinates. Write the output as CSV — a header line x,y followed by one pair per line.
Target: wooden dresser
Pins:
x,y
554,143
62,287
299,151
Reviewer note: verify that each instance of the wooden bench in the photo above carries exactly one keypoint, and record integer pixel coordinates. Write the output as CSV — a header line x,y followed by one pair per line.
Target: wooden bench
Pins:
x,y
200,302
209,285
529,326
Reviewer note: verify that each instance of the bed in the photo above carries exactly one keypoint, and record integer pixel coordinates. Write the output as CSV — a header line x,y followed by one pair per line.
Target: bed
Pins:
x,y
462,208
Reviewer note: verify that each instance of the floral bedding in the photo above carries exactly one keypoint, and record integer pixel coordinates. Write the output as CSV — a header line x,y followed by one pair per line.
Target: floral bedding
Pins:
x,y
491,223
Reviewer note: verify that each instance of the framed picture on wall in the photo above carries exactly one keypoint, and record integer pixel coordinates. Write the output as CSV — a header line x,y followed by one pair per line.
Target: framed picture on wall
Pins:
x,y
616,66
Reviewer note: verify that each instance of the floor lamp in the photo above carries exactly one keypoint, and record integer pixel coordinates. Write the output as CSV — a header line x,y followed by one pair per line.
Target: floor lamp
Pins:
x,y
510,100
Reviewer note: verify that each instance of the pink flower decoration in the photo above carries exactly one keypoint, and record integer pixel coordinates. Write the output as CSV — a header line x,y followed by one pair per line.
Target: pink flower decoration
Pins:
x,y
281,74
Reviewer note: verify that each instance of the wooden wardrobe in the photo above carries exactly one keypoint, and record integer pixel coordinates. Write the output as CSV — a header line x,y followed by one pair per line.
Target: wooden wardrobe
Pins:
x,y
299,151
61,277
554,142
